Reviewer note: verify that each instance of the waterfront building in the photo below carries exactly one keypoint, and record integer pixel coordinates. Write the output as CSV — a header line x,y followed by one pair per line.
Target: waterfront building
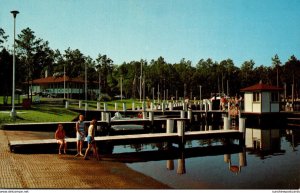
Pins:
x,y
261,98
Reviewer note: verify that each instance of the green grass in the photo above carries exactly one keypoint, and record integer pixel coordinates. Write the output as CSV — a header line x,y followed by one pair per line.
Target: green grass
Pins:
x,y
53,110
39,113
57,112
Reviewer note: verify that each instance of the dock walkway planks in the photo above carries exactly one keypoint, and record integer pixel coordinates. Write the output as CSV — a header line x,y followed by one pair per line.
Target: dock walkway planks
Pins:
x,y
134,138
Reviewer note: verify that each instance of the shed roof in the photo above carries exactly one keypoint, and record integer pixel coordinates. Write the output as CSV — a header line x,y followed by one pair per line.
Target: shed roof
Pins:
x,y
261,87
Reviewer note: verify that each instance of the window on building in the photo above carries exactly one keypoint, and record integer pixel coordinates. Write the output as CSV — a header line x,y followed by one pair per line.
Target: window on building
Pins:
x,y
256,97
274,97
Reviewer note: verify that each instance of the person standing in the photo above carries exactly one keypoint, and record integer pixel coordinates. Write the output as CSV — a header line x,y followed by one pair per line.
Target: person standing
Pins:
x,y
91,140
60,135
80,135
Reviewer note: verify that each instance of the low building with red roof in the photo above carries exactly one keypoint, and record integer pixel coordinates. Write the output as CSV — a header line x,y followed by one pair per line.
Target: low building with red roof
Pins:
x,y
54,86
261,98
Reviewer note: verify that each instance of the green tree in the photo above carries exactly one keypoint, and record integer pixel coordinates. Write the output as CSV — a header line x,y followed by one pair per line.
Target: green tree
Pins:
x,y
292,74
185,71
246,74
74,62
5,74
3,38
104,67
276,67
28,49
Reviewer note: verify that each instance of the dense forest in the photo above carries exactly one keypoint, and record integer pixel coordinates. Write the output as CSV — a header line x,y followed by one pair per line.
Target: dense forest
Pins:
x,y
34,58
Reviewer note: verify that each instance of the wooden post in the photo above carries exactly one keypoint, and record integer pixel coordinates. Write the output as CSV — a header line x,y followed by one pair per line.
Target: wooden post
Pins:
x,y
86,106
184,106
67,104
124,107
181,165
226,123
105,107
227,158
180,131
80,104
190,115
209,105
242,129
163,106
151,116
116,106
170,106
98,106
170,125
108,117
133,106
182,114
242,125
103,116
144,106
242,158
144,114
170,164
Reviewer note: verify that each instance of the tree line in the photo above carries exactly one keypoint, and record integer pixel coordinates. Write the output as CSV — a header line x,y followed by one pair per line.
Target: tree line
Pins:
x,y
141,78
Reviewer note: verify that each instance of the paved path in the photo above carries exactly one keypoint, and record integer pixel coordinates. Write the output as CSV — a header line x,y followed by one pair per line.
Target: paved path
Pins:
x,y
53,171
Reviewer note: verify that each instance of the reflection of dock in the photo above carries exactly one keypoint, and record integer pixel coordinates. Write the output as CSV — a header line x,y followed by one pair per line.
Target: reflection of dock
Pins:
x,y
174,153
178,138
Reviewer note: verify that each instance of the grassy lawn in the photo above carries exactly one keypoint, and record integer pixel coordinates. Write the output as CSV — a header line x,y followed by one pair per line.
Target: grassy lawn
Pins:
x,y
55,111
39,113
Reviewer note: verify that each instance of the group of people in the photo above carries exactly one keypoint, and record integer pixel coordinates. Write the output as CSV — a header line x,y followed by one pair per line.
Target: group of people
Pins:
x,y
80,136
234,102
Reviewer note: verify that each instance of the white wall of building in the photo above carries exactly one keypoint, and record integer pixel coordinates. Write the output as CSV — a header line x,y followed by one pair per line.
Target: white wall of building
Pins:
x,y
248,101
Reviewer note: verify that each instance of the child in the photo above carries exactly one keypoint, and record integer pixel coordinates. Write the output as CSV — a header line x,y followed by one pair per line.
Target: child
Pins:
x,y
60,138
80,135
90,140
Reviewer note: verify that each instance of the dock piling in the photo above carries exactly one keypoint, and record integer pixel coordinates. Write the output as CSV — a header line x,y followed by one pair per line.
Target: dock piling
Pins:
x,y
182,114
67,104
105,107
79,104
124,107
226,123
170,125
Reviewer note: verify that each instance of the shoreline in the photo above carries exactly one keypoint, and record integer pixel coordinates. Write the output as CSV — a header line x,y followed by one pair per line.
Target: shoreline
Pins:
x,y
53,171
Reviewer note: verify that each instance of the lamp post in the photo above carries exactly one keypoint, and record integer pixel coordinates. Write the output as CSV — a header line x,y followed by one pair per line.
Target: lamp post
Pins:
x,y
200,92
64,81
13,111
141,76
121,80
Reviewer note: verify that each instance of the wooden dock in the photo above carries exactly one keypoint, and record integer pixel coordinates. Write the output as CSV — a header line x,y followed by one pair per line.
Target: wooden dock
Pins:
x,y
45,144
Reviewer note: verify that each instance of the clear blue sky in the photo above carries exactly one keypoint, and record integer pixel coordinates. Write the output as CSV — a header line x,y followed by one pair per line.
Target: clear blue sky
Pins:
x,y
128,30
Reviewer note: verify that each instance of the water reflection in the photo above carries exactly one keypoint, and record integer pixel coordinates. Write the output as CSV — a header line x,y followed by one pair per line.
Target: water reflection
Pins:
x,y
242,162
290,136
175,154
215,164
264,142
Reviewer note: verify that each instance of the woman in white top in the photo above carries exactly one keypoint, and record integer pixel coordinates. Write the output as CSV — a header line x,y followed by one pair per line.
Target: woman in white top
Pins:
x,y
90,140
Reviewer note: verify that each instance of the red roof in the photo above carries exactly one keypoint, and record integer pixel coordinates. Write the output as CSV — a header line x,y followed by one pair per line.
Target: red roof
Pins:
x,y
261,87
52,79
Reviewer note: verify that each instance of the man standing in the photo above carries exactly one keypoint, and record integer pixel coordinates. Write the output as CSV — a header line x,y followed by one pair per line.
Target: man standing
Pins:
x,y
80,135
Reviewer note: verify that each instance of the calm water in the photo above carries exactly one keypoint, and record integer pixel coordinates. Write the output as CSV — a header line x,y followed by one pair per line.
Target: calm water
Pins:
x,y
270,160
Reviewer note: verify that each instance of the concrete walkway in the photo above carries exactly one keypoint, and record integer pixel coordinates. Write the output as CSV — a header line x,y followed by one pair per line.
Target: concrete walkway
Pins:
x,y
53,171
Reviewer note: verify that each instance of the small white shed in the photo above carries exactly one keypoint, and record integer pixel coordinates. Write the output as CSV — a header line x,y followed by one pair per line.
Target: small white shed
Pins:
x,y
261,98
